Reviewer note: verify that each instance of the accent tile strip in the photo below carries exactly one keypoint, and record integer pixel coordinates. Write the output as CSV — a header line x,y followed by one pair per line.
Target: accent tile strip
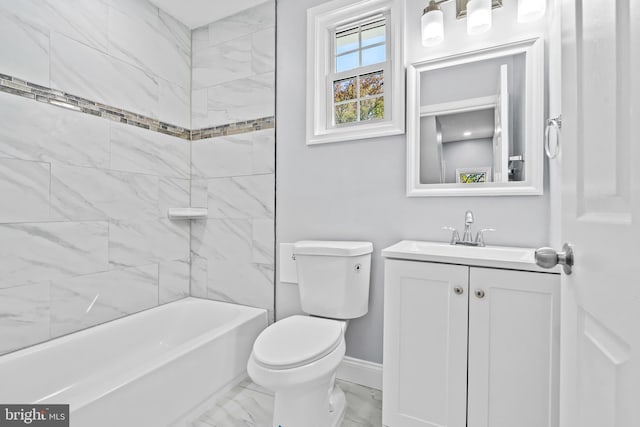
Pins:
x,y
16,86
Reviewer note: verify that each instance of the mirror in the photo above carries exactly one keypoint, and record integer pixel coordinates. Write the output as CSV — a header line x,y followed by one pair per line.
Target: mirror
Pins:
x,y
475,122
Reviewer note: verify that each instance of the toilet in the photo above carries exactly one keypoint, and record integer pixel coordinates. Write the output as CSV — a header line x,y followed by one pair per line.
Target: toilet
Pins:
x,y
297,357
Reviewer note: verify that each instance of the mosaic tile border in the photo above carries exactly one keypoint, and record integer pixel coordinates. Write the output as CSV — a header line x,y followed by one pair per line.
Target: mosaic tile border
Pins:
x,y
16,86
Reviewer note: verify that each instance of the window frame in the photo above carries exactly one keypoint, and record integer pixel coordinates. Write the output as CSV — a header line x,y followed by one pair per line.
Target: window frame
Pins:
x,y
323,22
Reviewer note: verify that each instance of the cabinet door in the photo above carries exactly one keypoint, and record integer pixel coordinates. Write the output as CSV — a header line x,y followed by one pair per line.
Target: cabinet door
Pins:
x,y
513,348
425,344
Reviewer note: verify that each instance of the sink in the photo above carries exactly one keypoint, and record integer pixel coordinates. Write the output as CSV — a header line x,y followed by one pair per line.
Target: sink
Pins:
x,y
489,256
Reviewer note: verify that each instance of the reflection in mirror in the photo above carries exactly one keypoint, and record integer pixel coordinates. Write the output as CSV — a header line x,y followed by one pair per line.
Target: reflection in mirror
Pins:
x,y
475,123
464,135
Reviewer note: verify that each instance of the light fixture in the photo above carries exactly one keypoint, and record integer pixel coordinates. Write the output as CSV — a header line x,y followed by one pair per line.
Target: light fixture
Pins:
x,y
531,10
478,16
432,24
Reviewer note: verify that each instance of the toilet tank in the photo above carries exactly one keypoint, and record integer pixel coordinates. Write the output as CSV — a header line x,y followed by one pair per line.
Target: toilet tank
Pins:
x,y
333,277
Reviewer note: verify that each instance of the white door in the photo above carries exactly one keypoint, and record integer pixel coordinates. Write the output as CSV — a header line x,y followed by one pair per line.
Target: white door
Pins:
x,y
600,340
501,128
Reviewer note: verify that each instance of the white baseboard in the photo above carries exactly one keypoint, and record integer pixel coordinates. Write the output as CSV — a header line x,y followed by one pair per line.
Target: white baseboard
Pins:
x,y
361,372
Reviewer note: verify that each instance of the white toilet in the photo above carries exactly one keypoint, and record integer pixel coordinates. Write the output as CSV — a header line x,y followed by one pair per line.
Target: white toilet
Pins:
x,y
297,357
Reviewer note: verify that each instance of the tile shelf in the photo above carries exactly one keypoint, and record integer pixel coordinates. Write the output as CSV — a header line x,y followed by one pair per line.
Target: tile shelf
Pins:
x,y
187,213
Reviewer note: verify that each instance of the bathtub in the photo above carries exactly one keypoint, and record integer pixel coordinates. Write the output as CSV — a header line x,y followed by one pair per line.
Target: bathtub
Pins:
x,y
154,368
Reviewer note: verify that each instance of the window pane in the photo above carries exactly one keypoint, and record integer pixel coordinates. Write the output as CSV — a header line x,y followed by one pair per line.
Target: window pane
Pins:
x,y
371,109
347,62
373,35
374,55
346,42
346,113
343,90
371,84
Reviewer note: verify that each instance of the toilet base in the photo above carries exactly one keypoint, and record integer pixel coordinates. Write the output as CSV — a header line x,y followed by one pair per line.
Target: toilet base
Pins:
x,y
311,407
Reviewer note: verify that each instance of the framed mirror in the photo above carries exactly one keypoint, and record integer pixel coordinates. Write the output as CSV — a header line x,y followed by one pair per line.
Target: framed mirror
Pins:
x,y
475,123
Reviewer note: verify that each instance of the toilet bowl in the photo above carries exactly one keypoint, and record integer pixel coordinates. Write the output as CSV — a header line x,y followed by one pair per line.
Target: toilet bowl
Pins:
x,y
297,357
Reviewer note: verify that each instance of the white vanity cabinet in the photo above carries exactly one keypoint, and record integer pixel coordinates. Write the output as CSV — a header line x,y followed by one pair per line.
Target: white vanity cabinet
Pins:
x,y
469,346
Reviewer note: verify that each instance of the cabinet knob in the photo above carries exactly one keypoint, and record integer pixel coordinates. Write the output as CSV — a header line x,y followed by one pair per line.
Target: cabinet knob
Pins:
x,y
458,290
479,293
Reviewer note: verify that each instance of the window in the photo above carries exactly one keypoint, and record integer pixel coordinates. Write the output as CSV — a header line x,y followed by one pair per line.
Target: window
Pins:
x,y
359,62
355,81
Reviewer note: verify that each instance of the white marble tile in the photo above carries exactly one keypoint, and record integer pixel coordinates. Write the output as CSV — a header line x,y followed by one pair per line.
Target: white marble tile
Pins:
x,y
139,150
263,153
35,252
242,23
80,302
24,316
241,407
153,48
26,56
223,62
200,38
173,280
81,20
263,241
176,32
240,282
199,279
251,405
243,99
173,104
36,131
199,195
241,197
217,239
172,193
134,243
222,156
199,113
142,9
82,194
263,51
83,71
24,190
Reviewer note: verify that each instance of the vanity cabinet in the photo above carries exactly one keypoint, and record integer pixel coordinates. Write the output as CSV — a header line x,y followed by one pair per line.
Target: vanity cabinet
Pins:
x,y
469,346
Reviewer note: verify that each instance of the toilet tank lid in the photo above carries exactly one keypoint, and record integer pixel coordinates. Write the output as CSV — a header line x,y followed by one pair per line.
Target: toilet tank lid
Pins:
x,y
332,248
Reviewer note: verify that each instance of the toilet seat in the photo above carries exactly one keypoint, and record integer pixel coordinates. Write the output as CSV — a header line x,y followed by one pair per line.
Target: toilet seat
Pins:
x,y
297,341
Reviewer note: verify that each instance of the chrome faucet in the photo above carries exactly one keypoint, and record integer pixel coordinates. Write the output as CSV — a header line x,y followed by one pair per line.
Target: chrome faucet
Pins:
x,y
467,235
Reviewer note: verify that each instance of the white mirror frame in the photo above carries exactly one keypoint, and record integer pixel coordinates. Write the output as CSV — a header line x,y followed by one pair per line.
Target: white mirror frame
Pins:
x,y
534,123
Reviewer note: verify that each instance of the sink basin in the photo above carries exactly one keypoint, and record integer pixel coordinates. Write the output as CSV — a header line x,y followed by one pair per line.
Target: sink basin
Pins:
x,y
489,256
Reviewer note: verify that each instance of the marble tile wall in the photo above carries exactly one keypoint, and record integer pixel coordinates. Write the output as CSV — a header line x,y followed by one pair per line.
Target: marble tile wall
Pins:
x,y
233,68
125,53
233,174
85,237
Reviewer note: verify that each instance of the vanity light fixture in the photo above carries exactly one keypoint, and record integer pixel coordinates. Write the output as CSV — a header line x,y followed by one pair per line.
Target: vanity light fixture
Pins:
x,y
432,24
531,10
478,14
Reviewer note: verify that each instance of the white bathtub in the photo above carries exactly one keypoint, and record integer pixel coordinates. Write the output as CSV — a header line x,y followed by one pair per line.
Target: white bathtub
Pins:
x,y
149,369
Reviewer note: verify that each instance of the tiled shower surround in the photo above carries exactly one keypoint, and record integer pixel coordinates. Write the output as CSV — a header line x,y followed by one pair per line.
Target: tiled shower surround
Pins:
x,y
85,236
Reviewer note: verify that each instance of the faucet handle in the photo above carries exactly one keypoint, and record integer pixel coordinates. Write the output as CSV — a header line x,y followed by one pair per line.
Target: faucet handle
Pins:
x,y
455,237
480,235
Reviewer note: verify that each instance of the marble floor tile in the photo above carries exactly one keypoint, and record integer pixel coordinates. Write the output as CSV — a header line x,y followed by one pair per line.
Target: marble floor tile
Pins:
x,y
248,404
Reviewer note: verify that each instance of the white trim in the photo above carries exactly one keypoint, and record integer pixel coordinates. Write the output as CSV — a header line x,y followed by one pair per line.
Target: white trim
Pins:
x,y
534,119
362,372
321,20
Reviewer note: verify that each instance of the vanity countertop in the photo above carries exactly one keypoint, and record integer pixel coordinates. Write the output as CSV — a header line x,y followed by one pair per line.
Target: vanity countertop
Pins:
x,y
506,257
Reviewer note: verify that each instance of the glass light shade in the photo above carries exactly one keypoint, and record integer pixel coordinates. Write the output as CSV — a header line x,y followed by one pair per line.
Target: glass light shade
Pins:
x,y
432,28
478,16
531,10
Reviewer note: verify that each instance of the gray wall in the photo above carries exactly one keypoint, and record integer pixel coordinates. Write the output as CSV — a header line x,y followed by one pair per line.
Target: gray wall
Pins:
x,y
356,190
